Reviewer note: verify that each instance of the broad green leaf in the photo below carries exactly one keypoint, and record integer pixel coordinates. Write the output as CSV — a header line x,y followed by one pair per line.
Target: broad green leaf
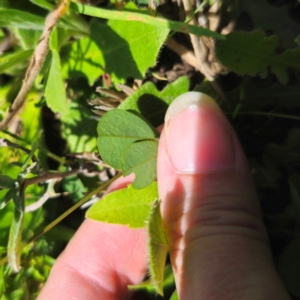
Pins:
x,y
144,42
79,129
158,247
254,53
112,43
122,41
15,233
55,91
117,129
140,158
294,183
127,206
153,104
74,187
20,19
8,61
289,267
28,38
7,182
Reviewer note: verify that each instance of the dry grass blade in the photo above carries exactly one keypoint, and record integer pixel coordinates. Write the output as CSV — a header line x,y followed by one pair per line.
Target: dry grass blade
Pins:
x,y
36,62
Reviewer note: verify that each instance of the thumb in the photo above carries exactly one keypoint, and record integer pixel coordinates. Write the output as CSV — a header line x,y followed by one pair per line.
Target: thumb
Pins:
x,y
218,244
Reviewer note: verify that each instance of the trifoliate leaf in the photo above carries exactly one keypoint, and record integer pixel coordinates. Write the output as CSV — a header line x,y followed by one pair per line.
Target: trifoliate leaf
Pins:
x,y
127,206
158,247
153,104
117,129
254,53
55,91
140,158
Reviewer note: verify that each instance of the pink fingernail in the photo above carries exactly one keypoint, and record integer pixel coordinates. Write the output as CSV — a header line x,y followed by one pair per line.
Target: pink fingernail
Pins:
x,y
198,135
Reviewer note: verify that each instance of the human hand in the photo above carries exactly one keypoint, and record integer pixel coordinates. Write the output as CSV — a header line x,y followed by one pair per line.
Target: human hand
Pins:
x,y
218,244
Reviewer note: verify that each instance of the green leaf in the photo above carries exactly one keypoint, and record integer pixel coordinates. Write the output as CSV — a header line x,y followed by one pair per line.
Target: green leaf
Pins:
x,y
289,267
84,60
122,41
43,3
74,187
127,206
8,196
140,158
7,182
174,296
8,61
254,53
55,91
158,247
142,17
15,233
153,104
28,38
53,40
117,129
79,129
20,19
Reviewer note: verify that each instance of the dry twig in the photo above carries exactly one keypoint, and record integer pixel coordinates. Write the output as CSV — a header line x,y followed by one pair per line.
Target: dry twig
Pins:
x,y
36,62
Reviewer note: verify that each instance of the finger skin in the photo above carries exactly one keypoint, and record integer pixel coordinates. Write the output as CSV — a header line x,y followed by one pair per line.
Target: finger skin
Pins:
x,y
218,244
99,262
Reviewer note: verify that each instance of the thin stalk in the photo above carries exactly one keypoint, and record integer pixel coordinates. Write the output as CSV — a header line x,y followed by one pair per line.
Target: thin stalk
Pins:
x,y
66,213
144,18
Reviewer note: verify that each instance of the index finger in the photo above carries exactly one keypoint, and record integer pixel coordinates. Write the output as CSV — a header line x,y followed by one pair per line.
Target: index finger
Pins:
x,y
99,262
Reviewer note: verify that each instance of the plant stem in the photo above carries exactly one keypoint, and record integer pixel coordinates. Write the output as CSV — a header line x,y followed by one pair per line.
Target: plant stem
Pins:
x,y
66,213
49,175
144,18
36,62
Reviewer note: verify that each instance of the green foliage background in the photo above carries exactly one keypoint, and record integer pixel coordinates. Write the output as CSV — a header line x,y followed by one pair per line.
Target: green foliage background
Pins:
x,y
101,47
